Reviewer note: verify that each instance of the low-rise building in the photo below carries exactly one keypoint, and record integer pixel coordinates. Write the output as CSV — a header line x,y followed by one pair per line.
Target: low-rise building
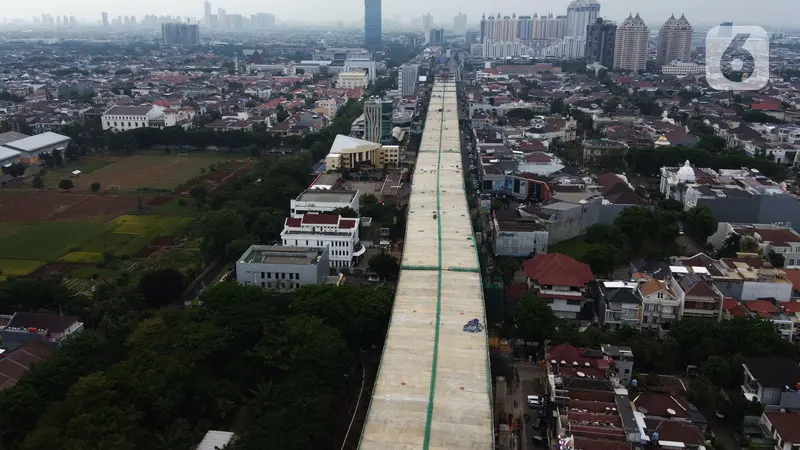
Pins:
x,y
620,304
352,80
123,118
282,268
338,234
767,310
783,427
323,201
563,282
515,236
349,153
27,149
15,364
51,329
772,381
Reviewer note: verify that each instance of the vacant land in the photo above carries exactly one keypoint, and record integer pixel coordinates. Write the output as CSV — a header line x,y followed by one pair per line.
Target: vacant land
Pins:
x,y
22,207
48,241
575,248
163,172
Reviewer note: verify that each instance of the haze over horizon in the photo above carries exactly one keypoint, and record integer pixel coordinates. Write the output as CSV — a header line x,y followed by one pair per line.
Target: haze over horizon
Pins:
x,y
768,12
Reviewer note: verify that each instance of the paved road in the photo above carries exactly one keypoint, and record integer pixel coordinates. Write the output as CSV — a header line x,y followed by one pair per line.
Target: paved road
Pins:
x,y
527,382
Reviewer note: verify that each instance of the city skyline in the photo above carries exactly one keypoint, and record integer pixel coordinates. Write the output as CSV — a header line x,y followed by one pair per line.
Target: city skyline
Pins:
x,y
769,12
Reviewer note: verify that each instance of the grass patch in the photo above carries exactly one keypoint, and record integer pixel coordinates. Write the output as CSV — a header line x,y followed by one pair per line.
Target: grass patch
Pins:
x,y
105,242
82,257
173,208
48,241
18,267
9,228
575,248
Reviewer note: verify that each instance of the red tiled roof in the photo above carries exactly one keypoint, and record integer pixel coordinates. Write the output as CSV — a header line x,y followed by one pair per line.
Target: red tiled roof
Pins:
x,y
791,307
676,431
770,235
733,307
761,307
582,443
653,404
16,363
787,424
347,223
558,270
320,219
294,223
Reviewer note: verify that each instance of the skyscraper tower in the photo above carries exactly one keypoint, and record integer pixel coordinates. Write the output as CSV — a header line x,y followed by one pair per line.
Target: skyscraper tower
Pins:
x,y
675,41
372,23
630,52
600,43
460,24
581,14
105,19
207,13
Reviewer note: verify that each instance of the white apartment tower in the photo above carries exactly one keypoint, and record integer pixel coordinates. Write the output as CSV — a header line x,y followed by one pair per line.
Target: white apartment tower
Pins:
x,y
408,79
460,24
675,41
630,52
581,14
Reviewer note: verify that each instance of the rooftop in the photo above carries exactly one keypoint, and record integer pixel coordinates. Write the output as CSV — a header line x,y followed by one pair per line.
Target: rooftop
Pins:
x,y
52,323
38,141
327,196
265,254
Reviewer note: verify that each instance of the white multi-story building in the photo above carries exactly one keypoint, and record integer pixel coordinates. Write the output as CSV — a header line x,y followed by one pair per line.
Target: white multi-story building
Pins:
x,y
364,65
568,48
682,69
123,118
408,79
506,49
352,80
331,231
630,52
581,14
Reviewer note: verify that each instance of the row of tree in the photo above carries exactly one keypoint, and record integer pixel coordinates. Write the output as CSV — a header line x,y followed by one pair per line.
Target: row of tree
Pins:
x,y
201,138
648,161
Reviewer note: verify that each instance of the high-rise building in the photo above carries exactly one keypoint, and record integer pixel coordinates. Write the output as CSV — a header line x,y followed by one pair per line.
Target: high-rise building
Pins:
x,y
630,47
460,24
185,34
427,24
408,79
207,13
222,19
675,41
497,28
105,19
548,27
436,36
600,43
372,23
581,14
378,120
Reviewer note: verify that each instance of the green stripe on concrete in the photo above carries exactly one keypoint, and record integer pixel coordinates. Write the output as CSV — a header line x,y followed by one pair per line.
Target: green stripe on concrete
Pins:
x,y
429,419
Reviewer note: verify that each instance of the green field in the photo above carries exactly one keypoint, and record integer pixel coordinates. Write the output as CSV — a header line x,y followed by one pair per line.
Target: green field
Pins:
x,y
24,248
48,241
18,267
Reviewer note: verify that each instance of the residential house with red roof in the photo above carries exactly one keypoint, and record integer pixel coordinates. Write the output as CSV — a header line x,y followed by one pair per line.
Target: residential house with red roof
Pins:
x,y
338,234
783,427
563,282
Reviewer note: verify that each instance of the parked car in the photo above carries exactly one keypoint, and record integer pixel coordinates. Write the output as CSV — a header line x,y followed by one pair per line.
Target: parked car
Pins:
x,y
534,401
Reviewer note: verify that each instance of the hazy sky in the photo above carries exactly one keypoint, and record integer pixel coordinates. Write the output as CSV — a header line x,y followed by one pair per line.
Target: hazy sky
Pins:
x,y
744,12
